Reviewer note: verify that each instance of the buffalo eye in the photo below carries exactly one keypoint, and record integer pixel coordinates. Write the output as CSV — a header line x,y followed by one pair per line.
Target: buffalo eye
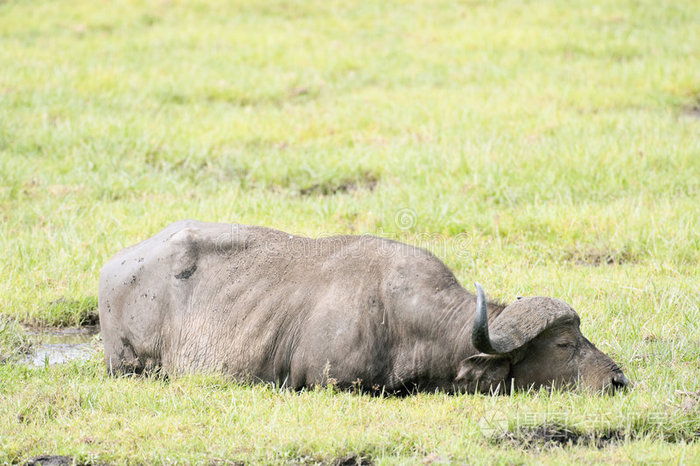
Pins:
x,y
565,344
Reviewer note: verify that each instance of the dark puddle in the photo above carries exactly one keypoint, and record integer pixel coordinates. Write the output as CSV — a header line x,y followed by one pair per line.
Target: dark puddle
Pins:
x,y
60,345
546,436
552,435
59,460
50,460
352,460
693,110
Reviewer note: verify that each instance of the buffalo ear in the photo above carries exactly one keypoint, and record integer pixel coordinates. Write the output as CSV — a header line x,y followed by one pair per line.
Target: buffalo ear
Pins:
x,y
484,373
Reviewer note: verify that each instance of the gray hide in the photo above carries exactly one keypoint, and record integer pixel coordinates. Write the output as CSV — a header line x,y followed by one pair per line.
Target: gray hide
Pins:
x,y
262,305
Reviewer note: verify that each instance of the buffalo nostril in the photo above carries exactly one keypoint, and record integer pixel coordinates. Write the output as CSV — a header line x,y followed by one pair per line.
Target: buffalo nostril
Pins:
x,y
619,381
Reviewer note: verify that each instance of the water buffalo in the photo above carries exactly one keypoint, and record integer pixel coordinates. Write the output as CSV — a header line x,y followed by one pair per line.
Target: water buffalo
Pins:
x,y
258,304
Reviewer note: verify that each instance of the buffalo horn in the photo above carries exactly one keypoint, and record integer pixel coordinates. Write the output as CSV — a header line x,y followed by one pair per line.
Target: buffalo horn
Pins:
x,y
480,331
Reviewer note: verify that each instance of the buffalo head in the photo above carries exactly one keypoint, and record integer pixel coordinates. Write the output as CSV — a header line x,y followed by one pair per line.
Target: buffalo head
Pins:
x,y
535,342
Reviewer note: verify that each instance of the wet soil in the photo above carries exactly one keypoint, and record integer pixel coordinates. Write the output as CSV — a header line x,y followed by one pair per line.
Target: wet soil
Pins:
x,y
551,435
546,436
693,110
50,460
599,257
353,460
60,345
367,181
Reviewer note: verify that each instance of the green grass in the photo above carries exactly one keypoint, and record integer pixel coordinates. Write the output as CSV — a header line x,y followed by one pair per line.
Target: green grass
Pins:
x,y
539,147
198,419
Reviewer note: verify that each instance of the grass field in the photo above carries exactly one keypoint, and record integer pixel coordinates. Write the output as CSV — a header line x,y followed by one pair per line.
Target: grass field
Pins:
x,y
539,147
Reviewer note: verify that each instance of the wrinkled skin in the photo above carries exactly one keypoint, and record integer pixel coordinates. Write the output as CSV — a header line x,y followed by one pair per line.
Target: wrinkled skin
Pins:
x,y
261,305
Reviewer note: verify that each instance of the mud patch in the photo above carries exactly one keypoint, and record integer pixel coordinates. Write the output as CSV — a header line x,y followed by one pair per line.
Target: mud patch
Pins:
x,y
226,93
58,460
367,181
352,460
50,460
599,257
60,345
693,110
226,462
547,436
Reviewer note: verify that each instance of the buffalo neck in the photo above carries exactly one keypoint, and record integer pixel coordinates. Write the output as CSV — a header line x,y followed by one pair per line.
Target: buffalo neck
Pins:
x,y
435,339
